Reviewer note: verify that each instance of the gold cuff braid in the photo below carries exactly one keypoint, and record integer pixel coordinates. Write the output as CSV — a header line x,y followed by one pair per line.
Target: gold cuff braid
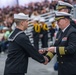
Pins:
x,y
50,55
61,51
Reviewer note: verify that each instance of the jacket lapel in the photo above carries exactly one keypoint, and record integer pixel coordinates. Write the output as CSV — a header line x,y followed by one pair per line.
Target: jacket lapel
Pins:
x,y
59,36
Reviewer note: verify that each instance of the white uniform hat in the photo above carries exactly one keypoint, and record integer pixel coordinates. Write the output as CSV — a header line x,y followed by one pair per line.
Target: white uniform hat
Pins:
x,y
62,14
59,15
21,16
52,19
42,20
62,5
36,19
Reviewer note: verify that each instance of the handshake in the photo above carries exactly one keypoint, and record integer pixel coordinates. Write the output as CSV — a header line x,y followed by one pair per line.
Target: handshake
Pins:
x,y
49,51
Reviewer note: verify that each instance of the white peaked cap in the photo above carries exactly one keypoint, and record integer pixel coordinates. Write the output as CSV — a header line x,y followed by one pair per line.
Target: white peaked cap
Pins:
x,y
42,20
62,14
65,4
36,19
21,16
52,19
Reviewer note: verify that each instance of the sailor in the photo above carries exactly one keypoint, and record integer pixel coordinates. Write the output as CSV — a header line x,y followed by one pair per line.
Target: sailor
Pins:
x,y
44,33
20,48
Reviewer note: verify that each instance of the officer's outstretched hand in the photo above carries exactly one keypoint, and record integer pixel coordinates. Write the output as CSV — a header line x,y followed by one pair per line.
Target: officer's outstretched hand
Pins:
x,y
43,50
51,49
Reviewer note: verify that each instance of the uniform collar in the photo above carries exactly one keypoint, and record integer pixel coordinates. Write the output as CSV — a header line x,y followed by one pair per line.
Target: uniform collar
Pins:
x,y
65,28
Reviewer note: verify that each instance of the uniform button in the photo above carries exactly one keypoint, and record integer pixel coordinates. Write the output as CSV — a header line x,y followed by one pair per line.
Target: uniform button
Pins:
x,y
60,56
61,62
65,50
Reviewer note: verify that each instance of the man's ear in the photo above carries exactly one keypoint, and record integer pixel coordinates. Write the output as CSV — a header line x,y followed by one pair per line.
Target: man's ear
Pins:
x,y
21,22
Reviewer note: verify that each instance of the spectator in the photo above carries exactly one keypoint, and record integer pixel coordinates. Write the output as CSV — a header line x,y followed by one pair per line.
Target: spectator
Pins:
x,y
43,33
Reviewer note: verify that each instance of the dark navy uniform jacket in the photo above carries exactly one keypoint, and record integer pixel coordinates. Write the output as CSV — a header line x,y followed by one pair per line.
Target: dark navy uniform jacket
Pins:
x,y
19,50
66,52
72,22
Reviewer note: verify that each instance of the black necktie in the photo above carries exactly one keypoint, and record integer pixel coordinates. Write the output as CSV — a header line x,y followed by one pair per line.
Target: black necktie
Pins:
x,y
60,34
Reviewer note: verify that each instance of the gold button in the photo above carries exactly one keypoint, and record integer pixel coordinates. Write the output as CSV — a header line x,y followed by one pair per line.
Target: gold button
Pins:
x,y
65,50
61,62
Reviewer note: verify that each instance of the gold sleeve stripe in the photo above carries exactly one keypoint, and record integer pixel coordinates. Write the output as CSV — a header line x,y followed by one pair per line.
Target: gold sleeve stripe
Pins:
x,y
50,55
61,50
60,7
